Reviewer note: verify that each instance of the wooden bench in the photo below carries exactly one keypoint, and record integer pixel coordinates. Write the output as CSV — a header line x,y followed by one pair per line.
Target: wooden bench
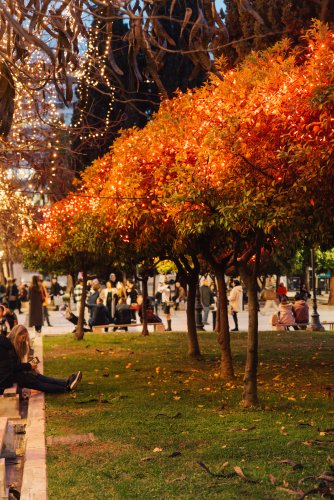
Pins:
x,y
158,327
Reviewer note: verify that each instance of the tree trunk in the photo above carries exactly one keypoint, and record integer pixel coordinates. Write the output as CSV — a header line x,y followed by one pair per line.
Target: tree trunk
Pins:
x,y
226,366
145,295
250,377
331,290
193,345
79,331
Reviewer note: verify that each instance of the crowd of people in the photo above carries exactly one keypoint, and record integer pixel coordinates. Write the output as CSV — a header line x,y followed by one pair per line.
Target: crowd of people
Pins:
x,y
120,303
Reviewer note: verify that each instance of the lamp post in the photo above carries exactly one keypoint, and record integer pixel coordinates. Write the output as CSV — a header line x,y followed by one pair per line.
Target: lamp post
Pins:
x,y
315,324
198,309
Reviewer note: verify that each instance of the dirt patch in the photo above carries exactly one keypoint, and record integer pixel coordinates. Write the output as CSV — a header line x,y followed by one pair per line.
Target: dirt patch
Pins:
x,y
71,439
113,448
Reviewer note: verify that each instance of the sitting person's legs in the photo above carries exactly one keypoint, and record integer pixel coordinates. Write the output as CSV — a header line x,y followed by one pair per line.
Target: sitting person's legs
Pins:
x,y
39,382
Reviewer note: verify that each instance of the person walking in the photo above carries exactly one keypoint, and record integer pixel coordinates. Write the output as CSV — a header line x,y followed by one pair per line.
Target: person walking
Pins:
x,y
36,299
165,291
270,296
14,350
235,303
180,295
205,294
46,302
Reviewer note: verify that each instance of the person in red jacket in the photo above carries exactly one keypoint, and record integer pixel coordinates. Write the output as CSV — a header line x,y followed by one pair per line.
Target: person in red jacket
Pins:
x,y
281,291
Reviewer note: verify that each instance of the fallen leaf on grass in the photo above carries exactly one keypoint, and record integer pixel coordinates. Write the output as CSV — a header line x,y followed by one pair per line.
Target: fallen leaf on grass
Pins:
x,y
272,479
236,429
294,465
146,459
93,400
283,431
214,474
181,478
174,454
157,450
105,374
326,477
326,431
238,470
318,442
299,493
177,415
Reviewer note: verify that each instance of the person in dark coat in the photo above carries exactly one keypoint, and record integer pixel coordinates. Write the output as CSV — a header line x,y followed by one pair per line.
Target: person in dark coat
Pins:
x,y
12,293
304,293
123,314
36,299
92,297
13,350
100,314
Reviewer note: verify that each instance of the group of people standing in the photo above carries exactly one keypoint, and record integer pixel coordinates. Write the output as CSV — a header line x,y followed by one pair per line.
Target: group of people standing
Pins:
x,y
114,303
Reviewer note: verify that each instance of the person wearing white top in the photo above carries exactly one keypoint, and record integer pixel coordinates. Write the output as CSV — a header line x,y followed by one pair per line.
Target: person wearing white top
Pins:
x,y
235,302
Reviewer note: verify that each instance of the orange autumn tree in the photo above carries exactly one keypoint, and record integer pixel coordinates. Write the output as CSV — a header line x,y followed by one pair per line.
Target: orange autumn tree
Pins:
x,y
132,208
269,138
70,238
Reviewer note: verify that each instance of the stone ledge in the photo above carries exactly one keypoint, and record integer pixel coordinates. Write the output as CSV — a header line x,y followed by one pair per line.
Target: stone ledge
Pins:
x,y
34,481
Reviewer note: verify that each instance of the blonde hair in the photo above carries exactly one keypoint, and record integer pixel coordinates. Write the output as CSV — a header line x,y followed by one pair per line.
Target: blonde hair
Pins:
x,y
21,348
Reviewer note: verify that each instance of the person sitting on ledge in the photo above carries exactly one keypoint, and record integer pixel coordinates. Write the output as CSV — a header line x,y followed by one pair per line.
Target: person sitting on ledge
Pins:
x,y
14,350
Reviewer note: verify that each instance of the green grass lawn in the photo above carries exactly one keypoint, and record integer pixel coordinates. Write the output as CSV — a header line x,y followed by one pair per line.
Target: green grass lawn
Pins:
x,y
168,427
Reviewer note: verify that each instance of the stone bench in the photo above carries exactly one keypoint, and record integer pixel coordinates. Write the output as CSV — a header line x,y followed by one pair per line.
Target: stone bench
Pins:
x,y
158,327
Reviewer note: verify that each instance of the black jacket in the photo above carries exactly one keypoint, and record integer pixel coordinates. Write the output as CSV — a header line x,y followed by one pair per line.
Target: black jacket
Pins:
x,y
9,363
123,314
100,315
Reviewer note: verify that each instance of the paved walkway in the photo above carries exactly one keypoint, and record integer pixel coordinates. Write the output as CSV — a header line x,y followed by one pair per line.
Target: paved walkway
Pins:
x,y
179,321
